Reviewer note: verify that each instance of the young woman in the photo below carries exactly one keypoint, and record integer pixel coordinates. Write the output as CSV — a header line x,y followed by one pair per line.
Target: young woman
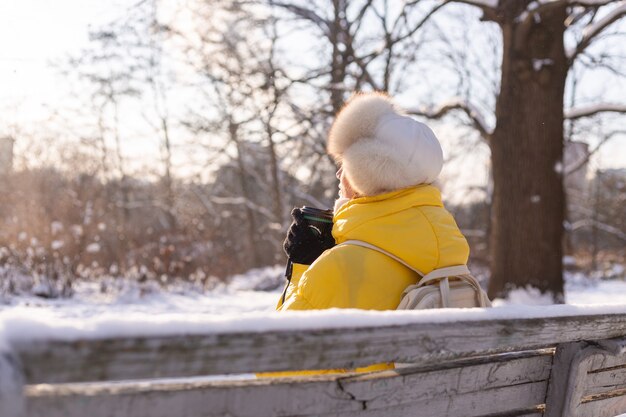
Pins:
x,y
388,162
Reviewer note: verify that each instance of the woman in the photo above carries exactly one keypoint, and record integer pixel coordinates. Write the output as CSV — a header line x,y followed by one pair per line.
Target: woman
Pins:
x,y
388,162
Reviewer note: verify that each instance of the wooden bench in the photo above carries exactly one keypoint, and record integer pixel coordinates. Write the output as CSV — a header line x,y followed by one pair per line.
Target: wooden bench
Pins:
x,y
555,366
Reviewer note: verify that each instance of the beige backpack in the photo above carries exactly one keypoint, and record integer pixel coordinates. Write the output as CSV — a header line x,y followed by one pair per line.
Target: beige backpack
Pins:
x,y
453,286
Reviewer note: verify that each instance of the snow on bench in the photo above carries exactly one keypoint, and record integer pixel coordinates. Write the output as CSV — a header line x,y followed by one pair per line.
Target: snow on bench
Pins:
x,y
511,361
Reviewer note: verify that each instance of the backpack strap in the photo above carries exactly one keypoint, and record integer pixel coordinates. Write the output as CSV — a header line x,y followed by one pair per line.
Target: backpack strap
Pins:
x,y
384,252
461,272
450,271
434,275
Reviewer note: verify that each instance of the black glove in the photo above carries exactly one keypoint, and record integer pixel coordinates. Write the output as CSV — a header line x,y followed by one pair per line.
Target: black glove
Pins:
x,y
304,244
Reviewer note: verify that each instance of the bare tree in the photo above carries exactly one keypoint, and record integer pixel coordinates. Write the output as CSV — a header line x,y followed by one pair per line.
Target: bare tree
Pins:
x,y
245,91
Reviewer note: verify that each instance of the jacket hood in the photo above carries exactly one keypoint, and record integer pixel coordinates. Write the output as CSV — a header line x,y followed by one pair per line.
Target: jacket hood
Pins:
x,y
391,221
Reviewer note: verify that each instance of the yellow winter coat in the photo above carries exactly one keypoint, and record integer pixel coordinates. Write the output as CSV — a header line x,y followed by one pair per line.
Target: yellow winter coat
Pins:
x,y
410,223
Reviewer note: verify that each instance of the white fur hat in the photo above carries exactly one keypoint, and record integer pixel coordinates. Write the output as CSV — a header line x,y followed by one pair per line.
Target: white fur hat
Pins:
x,y
380,148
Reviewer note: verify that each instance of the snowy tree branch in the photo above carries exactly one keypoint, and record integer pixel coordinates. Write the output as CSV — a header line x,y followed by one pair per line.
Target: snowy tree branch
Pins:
x,y
489,7
238,201
492,4
587,111
297,191
469,109
594,28
590,3
532,14
602,226
536,8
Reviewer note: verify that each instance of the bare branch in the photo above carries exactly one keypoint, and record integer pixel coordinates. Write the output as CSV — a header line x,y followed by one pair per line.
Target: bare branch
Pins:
x,y
358,20
390,42
591,31
420,23
571,168
306,14
457,104
587,111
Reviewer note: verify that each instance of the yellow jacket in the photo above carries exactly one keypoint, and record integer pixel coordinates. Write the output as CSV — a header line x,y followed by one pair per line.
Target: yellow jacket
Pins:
x,y
410,223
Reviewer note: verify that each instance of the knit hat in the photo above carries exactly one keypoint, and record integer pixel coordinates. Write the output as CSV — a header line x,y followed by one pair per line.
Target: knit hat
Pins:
x,y
380,148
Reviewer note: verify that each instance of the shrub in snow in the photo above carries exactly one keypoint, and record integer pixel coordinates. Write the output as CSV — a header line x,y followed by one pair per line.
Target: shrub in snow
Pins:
x,y
57,244
56,228
93,248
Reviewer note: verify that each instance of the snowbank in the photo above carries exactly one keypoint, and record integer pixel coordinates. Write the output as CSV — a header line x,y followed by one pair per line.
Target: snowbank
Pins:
x,y
240,306
20,324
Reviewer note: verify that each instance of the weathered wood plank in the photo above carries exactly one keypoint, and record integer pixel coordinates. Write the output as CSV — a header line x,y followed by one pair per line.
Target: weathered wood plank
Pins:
x,y
291,400
496,402
117,359
604,381
421,384
411,411
606,361
608,405
484,385
256,398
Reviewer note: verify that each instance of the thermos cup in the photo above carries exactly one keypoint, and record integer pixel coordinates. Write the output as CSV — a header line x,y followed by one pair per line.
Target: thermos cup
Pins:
x,y
321,221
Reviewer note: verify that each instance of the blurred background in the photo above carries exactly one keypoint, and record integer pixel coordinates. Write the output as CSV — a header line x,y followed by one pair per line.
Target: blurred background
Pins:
x,y
166,141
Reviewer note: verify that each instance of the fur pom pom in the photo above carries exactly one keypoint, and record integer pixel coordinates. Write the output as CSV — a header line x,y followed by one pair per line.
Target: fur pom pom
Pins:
x,y
358,119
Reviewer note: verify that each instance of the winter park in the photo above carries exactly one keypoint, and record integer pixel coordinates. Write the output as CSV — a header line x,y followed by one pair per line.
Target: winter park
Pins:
x,y
258,208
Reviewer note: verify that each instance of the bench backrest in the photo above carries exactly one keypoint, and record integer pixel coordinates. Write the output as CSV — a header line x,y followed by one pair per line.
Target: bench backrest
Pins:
x,y
556,366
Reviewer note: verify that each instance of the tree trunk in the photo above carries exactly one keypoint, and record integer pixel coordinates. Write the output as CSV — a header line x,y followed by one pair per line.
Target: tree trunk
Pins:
x,y
338,59
252,227
167,177
526,147
276,188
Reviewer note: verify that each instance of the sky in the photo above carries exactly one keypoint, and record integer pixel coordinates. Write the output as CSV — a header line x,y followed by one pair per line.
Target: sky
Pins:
x,y
35,33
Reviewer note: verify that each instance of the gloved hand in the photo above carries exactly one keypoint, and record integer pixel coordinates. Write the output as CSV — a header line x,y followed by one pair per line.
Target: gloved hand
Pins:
x,y
304,244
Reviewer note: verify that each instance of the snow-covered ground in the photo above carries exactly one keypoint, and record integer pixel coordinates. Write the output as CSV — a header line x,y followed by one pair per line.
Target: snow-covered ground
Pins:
x,y
246,303
257,290
253,292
